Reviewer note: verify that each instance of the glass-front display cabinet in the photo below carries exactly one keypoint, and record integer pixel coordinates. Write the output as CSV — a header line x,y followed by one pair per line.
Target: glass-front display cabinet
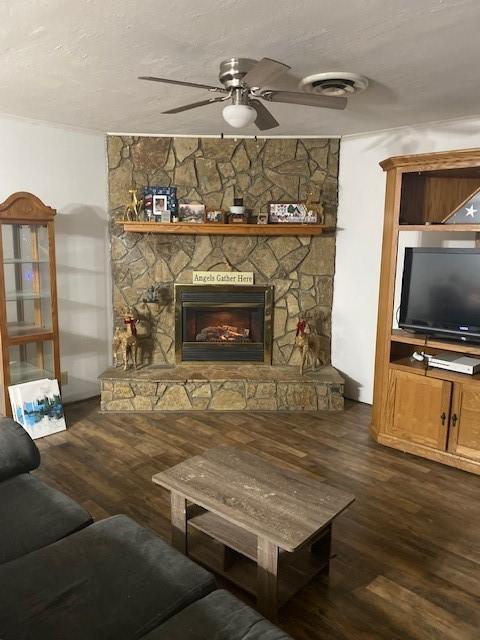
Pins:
x,y
28,311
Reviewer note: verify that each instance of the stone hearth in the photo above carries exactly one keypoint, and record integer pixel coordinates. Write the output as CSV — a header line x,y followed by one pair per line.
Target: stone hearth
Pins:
x,y
223,388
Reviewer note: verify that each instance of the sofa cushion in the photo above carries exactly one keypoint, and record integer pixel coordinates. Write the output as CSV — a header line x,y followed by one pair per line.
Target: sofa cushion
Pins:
x,y
113,580
18,452
219,616
33,515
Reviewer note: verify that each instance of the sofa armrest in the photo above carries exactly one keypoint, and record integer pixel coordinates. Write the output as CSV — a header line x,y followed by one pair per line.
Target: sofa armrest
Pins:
x,y
18,452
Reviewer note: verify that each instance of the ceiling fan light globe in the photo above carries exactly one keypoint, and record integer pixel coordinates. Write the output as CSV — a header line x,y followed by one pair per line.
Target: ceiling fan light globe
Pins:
x,y
333,91
239,115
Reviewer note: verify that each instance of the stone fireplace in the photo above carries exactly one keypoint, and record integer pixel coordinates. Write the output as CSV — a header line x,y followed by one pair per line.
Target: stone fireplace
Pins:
x,y
223,323
198,355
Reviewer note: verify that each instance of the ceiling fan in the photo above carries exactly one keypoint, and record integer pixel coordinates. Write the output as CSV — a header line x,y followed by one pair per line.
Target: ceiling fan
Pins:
x,y
245,82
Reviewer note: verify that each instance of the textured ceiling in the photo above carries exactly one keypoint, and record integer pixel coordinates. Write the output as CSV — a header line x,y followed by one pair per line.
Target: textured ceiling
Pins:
x,y
76,62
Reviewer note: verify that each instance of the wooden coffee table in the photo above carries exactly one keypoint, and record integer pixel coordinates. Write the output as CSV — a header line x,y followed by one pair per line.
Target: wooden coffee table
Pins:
x,y
266,529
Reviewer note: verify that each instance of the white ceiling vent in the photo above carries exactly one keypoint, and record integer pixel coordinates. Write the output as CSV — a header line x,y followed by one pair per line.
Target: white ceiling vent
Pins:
x,y
334,83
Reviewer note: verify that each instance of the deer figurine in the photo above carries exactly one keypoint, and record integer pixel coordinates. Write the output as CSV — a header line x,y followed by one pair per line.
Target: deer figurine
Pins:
x,y
310,345
126,340
134,208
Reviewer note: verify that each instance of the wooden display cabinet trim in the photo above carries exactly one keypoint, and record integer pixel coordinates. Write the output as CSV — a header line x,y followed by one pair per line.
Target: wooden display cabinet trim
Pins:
x,y
4,370
54,302
41,336
24,207
433,161
445,457
439,228
385,299
213,229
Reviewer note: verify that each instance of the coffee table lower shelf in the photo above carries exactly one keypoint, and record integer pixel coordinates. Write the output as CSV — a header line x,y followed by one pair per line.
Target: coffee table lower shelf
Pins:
x,y
231,552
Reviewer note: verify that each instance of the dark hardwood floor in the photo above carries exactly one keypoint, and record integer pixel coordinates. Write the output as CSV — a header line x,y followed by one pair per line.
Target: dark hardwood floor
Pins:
x,y
407,560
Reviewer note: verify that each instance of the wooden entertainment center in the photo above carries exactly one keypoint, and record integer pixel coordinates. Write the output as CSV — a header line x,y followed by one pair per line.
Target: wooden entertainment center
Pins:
x,y
428,412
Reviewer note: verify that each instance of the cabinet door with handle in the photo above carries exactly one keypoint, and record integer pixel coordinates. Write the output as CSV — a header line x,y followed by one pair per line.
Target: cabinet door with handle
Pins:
x,y
418,409
464,435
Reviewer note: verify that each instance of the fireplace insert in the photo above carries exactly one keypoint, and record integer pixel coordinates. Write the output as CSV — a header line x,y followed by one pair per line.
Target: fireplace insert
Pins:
x,y
223,323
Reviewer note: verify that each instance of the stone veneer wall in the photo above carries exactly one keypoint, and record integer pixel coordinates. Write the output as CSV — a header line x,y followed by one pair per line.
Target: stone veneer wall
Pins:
x,y
214,171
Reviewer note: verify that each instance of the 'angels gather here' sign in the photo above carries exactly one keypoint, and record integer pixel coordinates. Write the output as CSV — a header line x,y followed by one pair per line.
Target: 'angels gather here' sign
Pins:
x,y
222,277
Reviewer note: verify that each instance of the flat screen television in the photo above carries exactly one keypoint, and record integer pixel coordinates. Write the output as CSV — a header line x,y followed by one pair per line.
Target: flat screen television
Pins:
x,y
441,292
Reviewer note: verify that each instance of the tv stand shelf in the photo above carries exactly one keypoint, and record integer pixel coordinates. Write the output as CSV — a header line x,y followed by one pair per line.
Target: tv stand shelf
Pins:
x,y
409,365
423,340
422,369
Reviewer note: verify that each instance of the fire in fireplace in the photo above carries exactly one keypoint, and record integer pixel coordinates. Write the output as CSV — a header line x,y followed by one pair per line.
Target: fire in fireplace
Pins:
x,y
223,323
223,333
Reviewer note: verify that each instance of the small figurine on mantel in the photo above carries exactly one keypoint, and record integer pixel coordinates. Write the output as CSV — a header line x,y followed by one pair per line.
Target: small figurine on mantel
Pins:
x,y
134,208
126,340
310,345
315,208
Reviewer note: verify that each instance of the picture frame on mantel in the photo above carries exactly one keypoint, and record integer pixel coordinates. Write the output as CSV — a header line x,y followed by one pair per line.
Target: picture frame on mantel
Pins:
x,y
151,194
262,218
191,213
215,216
291,213
160,204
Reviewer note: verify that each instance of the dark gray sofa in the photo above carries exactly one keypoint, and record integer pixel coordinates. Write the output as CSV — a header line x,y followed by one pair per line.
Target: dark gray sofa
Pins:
x,y
112,580
218,616
32,514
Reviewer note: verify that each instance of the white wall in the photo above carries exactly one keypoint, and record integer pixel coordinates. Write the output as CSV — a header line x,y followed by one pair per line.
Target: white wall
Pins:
x,y
67,170
359,237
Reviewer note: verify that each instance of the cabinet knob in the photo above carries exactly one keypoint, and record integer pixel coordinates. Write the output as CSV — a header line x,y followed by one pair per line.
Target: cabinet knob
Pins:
x,y
454,419
443,417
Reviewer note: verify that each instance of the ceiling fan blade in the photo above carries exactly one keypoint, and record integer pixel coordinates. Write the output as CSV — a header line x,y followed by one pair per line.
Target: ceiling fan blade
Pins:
x,y
308,99
264,72
182,83
193,105
264,119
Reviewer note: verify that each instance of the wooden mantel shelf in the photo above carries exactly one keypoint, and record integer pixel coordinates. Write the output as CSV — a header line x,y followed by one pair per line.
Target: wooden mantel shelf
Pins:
x,y
226,229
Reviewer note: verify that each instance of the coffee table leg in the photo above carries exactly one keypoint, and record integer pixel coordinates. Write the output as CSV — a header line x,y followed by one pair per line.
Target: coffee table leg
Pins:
x,y
322,548
178,517
267,578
